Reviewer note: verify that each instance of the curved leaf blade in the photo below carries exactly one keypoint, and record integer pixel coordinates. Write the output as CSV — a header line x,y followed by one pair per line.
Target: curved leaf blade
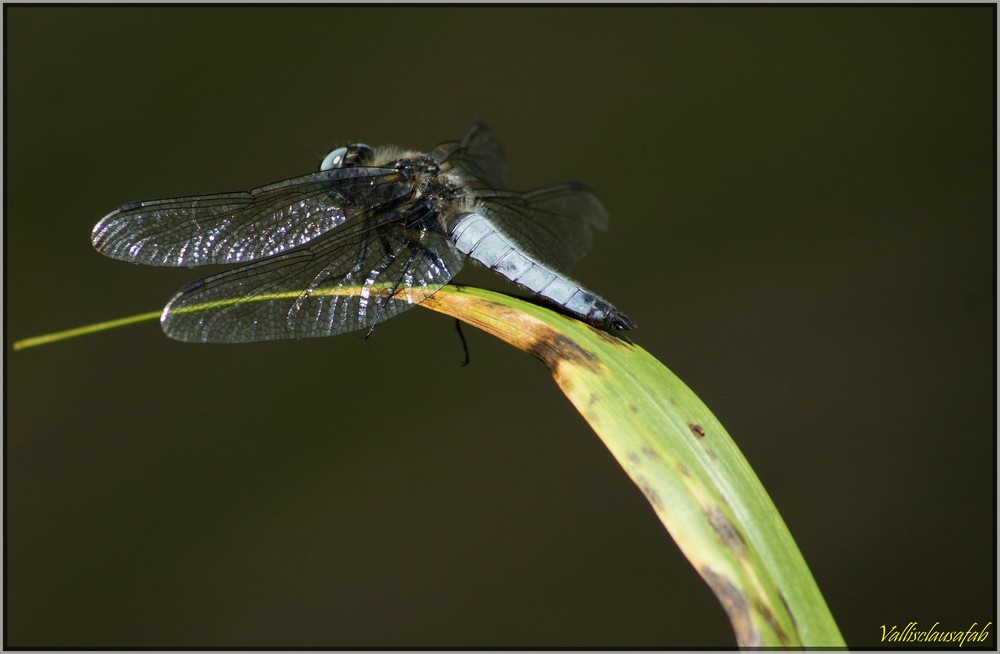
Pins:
x,y
671,446
683,460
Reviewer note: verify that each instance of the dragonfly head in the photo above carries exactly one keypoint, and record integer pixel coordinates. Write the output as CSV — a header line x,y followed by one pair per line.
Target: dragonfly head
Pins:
x,y
357,154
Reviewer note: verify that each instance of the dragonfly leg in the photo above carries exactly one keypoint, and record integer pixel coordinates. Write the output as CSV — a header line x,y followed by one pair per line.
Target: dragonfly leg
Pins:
x,y
416,249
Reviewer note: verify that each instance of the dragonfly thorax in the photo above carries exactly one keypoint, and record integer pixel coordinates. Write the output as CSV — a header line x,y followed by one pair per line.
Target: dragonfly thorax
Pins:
x,y
432,188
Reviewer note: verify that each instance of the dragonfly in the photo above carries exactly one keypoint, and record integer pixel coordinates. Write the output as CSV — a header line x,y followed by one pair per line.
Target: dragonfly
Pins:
x,y
371,234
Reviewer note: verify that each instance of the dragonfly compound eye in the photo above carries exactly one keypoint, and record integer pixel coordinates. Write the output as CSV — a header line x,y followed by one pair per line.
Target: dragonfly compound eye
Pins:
x,y
334,160
351,155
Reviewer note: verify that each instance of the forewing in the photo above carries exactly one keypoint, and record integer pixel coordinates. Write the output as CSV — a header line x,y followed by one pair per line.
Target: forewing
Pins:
x,y
552,224
238,227
478,155
364,273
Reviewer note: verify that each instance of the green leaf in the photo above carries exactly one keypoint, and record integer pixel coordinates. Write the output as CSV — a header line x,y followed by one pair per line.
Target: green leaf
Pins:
x,y
35,341
677,453
671,446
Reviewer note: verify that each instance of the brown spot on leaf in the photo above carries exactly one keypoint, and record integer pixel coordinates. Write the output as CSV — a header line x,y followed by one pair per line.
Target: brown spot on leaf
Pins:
x,y
788,610
524,332
649,492
683,469
618,341
555,349
633,408
768,615
736,606
727,532
650,452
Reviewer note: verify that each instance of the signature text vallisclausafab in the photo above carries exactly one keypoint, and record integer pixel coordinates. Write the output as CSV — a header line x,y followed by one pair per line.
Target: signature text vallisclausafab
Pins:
x,y
913,633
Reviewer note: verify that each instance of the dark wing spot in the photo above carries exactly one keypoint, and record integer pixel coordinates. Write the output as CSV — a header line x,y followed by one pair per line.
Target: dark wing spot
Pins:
x,y
129,206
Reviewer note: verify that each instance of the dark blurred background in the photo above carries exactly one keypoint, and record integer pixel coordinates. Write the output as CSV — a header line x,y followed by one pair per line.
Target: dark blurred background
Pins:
x,y
802,205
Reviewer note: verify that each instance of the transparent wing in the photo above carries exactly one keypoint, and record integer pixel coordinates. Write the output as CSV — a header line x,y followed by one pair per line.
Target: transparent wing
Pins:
x,y
478,154
552,224
237,227
366,272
